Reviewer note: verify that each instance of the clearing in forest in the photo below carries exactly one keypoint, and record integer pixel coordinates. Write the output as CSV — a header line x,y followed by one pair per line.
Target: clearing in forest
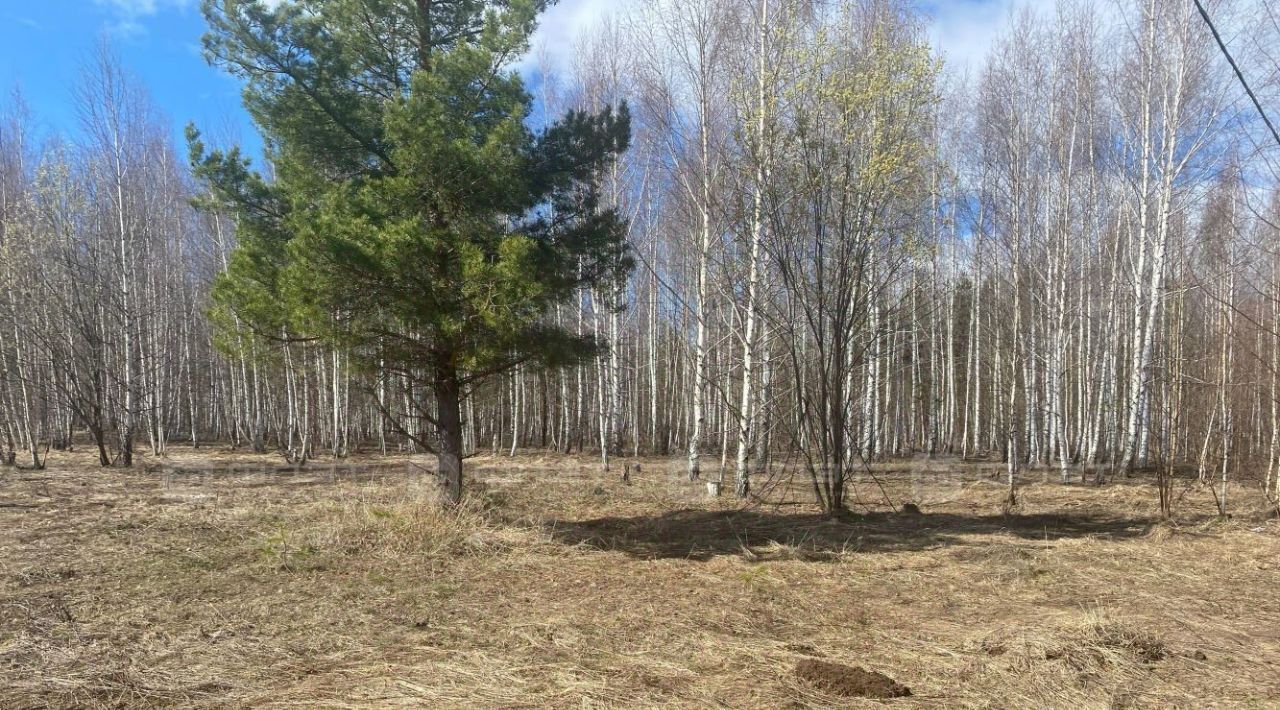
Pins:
x,y
222,580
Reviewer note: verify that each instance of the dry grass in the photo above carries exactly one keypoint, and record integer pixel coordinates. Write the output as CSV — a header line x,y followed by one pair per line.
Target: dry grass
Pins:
x,y
228,583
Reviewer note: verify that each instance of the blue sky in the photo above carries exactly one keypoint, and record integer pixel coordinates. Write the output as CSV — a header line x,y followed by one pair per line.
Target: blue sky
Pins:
x,y
44,44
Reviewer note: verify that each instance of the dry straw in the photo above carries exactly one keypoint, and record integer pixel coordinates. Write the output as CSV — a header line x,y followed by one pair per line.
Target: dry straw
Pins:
x,y
556,585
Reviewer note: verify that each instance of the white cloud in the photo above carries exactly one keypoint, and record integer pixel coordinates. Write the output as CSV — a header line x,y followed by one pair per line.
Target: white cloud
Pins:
x,y
129,14
560,28
963,32
133,9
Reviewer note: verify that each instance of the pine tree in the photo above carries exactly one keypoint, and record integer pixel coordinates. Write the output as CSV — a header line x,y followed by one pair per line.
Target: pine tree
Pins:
x,y
412,218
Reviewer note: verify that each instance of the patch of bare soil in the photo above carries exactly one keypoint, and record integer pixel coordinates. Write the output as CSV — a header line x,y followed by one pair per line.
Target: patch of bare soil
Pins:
x,y
849,681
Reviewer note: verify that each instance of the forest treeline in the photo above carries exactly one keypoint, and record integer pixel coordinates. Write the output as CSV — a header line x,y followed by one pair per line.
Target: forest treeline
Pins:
x,y
845,250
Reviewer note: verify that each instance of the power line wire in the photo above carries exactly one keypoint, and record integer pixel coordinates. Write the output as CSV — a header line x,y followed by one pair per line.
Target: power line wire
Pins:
x,y
1221,45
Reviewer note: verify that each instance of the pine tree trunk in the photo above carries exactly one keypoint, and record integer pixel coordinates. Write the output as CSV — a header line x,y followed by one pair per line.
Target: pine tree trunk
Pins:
x,y
449,425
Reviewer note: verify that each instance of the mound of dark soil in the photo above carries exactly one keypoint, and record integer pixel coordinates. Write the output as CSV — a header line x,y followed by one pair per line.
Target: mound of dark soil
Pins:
x,y
849,681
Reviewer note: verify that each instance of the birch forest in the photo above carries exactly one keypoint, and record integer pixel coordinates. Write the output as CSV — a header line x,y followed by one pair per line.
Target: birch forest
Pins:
x,y
793,354
1063,259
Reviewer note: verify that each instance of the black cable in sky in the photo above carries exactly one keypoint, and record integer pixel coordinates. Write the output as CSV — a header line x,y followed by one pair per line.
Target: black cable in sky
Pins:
x,y
1221,45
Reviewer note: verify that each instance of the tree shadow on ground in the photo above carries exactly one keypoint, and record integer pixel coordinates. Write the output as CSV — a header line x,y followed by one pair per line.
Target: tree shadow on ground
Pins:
x,y
700,535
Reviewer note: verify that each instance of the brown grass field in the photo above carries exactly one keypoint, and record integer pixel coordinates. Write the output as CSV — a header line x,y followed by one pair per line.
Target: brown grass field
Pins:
x,y
217,580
